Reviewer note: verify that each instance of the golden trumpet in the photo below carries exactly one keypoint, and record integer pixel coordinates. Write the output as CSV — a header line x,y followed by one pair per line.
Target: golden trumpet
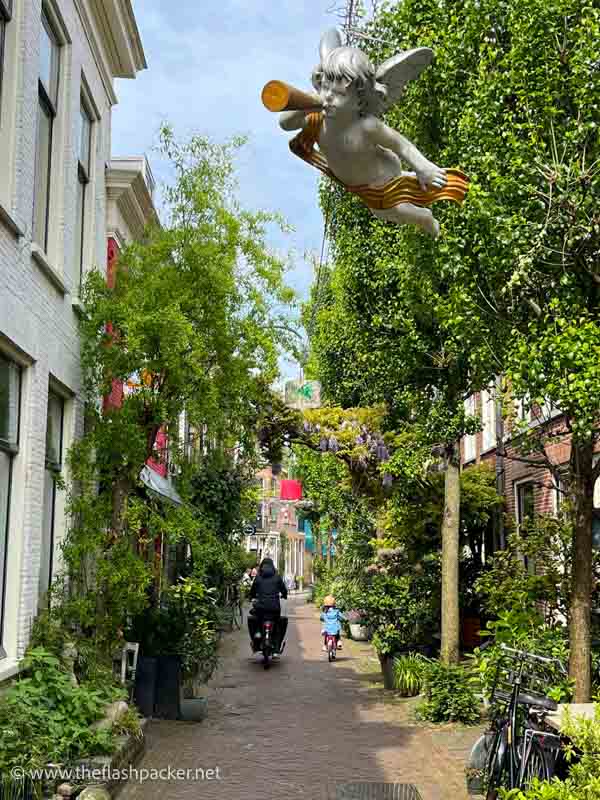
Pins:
x,y
280,96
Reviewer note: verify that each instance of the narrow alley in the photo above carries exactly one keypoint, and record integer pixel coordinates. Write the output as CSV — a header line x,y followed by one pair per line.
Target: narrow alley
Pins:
x,y
302,728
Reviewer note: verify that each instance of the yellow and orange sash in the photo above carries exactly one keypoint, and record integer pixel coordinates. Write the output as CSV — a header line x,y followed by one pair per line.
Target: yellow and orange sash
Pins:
x,y
403,189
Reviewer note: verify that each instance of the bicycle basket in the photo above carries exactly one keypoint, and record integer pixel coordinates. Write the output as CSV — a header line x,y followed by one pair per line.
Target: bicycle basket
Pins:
x,y
535,674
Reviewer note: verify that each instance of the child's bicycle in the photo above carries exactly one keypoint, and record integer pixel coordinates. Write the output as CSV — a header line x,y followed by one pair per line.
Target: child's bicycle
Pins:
x,y
331,645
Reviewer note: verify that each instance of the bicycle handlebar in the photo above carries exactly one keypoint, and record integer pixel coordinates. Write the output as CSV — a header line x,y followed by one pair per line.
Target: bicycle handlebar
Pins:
x,y
533,657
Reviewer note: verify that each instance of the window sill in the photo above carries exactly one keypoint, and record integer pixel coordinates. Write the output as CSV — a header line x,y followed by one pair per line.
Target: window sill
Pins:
x,y
9,667
53,276
8,222
78,307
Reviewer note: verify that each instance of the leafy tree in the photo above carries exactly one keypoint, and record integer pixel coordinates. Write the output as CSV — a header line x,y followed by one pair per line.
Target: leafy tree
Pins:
x,y
512,285
194,319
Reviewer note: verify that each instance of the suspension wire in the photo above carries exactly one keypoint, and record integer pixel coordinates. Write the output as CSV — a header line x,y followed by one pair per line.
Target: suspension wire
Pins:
x,y
349,13
322,259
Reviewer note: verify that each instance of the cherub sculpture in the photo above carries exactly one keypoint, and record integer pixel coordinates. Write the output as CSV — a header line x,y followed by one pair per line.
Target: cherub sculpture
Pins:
x,y
354,146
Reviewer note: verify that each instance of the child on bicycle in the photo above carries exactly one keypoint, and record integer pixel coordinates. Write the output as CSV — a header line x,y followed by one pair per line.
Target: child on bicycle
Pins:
x,y
332,618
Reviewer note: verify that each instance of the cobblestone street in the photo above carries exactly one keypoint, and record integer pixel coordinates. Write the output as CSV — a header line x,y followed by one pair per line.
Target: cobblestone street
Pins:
x,y
300,728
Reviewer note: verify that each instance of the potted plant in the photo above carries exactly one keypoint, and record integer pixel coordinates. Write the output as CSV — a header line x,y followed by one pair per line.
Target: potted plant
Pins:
x,y
409,673
387,640
356,621
300,582
177,639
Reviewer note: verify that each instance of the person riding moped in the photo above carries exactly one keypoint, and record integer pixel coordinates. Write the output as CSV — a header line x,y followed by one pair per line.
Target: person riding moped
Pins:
x,y
265,590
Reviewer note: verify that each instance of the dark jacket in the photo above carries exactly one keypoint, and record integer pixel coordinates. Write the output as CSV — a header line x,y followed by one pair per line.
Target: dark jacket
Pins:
x,y
267,587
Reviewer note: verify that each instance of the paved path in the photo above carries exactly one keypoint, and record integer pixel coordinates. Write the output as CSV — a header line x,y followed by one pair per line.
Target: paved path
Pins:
x,y
298,729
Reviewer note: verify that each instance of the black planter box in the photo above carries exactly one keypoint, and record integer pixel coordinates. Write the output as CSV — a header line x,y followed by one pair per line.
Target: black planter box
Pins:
x,y
158,687
145,685
167,703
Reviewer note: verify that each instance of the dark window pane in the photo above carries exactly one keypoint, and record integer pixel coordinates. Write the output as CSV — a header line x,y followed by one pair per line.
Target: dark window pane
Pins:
x,y
2,40
85,136
47,543
54,430
79,230
5,14
9,402
42,175
5,466
49,57
526,502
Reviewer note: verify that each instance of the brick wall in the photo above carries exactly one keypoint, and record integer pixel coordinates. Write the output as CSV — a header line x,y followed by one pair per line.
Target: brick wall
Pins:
x,y
518,473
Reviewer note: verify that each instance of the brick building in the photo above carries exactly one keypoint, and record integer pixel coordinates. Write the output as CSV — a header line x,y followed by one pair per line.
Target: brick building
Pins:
x,y
63,203
278,529
529,490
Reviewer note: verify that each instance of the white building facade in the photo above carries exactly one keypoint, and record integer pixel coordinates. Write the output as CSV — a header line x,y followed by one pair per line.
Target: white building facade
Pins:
x,y
58,62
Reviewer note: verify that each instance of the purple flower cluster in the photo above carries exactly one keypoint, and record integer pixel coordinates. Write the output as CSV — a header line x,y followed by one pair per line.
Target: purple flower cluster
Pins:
x,y
375,444
354,617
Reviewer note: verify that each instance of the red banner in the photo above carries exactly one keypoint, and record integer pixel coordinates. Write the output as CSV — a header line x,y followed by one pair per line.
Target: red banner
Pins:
x,y
290,490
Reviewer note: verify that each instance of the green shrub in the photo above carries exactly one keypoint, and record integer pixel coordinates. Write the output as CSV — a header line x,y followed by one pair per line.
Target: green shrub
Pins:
x,y
449,695
518,629
45,717
387,640
409,673
185,625
128,724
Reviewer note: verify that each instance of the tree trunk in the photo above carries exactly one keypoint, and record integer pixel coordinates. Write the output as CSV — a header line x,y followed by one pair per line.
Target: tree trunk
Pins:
x,y
318,545
120,491
450,650
582,494
329,544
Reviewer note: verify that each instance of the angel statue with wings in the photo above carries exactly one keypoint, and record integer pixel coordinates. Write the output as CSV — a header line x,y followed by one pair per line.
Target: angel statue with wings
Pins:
x,y
355,147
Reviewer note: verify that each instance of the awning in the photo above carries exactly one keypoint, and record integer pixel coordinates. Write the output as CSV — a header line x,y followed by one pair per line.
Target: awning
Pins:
x,y
159,486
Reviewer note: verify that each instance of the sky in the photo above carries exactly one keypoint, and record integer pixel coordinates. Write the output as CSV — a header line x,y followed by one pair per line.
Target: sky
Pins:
x,y
207,63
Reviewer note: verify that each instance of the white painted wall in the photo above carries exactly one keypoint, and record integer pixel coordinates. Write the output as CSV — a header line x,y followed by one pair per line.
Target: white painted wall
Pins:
x,y
38,296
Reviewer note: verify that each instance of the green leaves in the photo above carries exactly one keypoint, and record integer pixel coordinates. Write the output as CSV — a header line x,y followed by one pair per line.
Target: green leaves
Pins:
x,y
45,718
449,695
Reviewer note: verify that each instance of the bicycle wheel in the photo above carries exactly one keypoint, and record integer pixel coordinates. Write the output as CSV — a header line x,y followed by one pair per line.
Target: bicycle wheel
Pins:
x,y
238,615
535,766
497,768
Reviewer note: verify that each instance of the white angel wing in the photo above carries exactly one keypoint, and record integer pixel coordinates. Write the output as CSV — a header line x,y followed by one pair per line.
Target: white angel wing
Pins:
x,y
396,72
330,40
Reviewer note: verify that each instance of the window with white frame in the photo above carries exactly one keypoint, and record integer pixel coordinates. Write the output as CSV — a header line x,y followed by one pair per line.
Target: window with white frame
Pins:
x,y
469,441
54,447
525,502
84,149
488,419
47,110
5,17
10,404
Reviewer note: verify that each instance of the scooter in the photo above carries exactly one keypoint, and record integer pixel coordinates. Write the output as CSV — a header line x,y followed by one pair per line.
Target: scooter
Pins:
x,y
265,641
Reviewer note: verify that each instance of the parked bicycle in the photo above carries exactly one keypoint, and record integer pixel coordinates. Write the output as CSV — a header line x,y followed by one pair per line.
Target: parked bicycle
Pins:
x,y
521,749
234,604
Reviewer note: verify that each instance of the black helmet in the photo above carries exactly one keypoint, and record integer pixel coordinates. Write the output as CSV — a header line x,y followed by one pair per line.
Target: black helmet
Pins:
x,y
267,567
